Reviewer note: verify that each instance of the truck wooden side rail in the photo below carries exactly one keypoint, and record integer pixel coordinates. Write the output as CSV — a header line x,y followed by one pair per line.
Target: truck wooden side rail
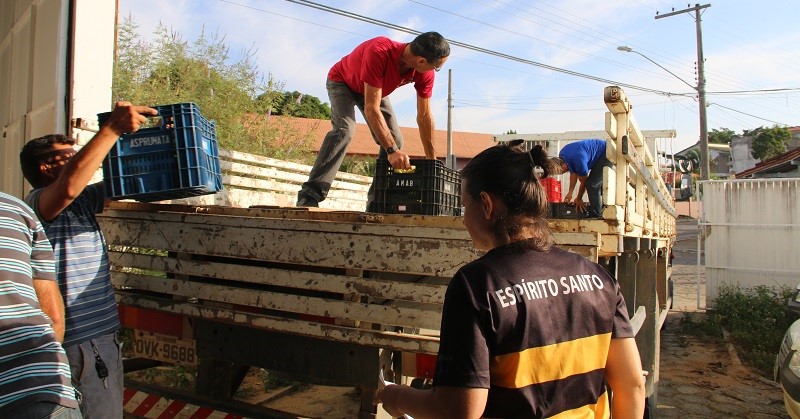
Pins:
x,y
334,297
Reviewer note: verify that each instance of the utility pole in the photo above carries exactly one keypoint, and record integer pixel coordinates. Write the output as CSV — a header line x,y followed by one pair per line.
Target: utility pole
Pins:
x,y
701,87
450,159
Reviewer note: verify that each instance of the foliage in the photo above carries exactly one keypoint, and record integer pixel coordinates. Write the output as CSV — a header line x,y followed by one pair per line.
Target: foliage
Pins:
x,y
756,319
511,131
721,136
359,165
700,325
228,90
300,105
272,381
770,142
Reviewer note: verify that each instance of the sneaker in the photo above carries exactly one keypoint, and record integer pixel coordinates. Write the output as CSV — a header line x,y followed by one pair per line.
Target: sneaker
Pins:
x,y
307,203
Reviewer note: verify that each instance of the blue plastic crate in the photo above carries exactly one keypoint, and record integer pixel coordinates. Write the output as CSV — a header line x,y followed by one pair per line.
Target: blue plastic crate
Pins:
x,y
176,158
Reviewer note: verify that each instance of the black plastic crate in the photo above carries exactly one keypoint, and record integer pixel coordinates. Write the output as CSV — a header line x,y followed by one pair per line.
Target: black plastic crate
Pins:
x,y
176,158
430,189
565,210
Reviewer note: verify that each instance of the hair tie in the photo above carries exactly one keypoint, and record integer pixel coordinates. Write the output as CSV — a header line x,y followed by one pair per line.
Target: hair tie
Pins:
x,y
530,157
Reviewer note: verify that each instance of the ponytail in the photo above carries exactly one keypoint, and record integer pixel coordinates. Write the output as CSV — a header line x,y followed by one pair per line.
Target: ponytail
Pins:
x,y
549,165
539,157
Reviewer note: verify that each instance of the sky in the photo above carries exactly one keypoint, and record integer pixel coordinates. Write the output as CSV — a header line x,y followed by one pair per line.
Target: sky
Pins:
x,y
752,62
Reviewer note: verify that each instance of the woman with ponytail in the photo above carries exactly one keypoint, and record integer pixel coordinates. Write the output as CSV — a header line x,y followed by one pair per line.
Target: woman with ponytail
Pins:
x,y
528,330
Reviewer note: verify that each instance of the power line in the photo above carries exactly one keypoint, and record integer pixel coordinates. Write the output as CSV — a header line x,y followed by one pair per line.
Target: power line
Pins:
x,y
784,89
479,49
512,58
750,115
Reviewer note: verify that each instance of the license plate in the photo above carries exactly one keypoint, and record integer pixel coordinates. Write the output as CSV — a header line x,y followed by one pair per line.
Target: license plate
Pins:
x,y
164,348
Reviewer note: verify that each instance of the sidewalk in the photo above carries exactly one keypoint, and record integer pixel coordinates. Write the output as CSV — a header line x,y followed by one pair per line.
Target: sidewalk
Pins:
x,y
705,379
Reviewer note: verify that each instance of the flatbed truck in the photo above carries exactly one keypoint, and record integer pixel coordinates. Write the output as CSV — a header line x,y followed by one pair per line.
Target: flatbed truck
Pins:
x,y
334,297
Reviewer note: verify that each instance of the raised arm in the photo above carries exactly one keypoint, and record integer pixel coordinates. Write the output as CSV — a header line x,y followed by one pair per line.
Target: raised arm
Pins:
x,y
78,171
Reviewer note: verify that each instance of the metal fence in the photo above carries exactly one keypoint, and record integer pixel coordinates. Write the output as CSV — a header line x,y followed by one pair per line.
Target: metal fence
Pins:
x,y
751,231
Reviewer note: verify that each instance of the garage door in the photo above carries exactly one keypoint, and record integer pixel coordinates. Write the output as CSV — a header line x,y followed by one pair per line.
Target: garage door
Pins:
x,y
38,94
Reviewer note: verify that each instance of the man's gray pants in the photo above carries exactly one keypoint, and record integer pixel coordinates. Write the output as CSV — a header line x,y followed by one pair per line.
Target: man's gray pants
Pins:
x,y
334,146
98,400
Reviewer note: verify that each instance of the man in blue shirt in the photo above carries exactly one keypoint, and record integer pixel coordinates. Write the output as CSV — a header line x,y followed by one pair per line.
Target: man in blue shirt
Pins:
x,y
585,160
66,204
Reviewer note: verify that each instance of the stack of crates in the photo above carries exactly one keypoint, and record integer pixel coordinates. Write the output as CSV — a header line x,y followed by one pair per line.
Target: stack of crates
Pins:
x,y
429,189
176,158
552,186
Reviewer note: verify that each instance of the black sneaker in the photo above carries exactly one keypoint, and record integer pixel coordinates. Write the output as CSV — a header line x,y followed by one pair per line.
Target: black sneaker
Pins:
x,y
307,203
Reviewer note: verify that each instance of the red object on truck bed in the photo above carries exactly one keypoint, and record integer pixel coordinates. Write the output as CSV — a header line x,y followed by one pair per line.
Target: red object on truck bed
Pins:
x,y
553,188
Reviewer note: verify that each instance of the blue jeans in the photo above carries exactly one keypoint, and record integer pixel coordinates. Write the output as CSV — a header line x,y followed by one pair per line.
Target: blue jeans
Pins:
x,y
334,146
49,410
99,400
594,186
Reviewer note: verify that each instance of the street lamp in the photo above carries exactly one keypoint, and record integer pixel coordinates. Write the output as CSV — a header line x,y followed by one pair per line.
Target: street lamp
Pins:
x,y
629,49
701,96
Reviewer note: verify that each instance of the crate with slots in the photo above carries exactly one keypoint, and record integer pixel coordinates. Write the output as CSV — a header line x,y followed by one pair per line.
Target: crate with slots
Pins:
x,y
175,158
430,188
565,210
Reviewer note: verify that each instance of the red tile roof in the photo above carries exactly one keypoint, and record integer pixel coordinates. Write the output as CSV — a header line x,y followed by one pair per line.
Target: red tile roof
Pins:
x,y
465,144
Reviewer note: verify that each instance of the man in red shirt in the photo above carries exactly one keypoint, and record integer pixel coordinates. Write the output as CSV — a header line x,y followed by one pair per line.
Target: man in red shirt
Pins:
x,y
364,79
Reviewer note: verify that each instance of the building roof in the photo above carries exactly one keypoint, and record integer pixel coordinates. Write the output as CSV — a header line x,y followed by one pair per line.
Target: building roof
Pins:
x,y
785,162
711,146
465,144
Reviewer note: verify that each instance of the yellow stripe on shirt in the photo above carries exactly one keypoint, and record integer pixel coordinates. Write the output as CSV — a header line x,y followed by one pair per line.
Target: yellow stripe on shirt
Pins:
x,y
551,362
599,410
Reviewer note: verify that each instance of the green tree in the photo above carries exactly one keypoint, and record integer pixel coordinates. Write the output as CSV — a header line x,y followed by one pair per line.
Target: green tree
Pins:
x,y
511,131
721,136
301,105
227,90
769,142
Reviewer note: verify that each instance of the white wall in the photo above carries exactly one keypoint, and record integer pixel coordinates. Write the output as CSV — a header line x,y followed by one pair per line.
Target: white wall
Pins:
x,y
741,154
33,68
93,62
753,233
42,86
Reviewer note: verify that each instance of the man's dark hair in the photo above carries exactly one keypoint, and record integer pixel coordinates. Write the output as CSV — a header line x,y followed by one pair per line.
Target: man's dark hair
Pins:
x,y
431,46
34,150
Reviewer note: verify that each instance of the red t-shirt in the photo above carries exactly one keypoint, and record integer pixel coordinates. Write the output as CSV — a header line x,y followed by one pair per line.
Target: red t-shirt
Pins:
x,y
377,62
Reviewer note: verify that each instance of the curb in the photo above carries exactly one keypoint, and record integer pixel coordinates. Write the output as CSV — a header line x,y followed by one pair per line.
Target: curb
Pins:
x,y
731,350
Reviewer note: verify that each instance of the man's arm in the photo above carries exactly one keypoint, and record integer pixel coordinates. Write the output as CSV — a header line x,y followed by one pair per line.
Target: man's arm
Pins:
x,y
81,167
439,402
426,126
573,179
624,376
51,303
579,206
376,122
